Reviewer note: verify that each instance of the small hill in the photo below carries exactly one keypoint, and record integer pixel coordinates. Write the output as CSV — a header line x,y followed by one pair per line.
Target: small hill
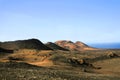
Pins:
x,y
77,46
55,46
24,44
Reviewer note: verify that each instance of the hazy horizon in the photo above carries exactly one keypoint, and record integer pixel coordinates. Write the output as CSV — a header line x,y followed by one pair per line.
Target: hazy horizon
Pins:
x,y
89,21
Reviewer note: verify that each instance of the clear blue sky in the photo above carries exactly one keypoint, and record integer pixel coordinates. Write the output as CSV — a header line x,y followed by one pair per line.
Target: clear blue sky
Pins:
x,y
90,21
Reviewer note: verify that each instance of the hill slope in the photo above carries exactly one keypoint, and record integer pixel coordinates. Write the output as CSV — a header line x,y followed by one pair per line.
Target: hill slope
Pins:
x,y
55,47
77,46
24,44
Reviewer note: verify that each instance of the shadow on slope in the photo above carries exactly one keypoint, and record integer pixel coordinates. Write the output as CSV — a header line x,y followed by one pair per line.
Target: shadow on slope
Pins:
x,y
55,46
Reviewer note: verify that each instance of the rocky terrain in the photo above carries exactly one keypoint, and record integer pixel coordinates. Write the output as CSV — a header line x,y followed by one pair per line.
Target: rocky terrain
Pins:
x,y
53,62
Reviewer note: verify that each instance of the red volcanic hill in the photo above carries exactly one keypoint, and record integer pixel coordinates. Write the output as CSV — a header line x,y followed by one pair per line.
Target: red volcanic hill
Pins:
x,y
24,44
77,46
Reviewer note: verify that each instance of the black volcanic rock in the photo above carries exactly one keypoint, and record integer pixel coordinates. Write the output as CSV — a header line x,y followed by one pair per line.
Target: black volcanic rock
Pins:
x,y
5,50
24,44
55,46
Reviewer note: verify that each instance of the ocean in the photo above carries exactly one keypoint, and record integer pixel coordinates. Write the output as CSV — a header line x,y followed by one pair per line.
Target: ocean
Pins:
x,y
106,45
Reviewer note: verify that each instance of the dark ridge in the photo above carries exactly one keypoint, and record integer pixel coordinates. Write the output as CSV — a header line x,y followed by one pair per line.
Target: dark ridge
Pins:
x,y
24,44
55,46
5,50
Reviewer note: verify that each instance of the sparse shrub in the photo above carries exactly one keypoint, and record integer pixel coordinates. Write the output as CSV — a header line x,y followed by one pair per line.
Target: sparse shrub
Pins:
x,y
14,58
112,54
35,59
82,61
58,57
76,61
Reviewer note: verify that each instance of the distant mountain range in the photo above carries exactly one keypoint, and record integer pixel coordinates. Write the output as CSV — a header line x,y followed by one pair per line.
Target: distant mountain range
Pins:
x,y
64,45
